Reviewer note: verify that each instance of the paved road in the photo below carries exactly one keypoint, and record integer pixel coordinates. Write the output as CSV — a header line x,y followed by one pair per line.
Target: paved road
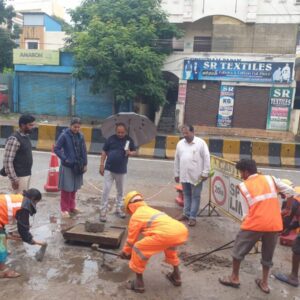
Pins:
x,y
150,176
75,272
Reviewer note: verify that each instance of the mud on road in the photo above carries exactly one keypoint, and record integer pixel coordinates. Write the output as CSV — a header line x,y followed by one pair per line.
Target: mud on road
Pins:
x,y
76,272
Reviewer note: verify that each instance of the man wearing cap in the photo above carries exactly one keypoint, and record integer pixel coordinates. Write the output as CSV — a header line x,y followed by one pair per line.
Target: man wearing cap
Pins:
x,y
18,208
161,233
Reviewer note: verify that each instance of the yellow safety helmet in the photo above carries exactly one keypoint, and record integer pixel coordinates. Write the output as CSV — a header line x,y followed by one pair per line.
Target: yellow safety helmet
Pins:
x,y
287,181
129,197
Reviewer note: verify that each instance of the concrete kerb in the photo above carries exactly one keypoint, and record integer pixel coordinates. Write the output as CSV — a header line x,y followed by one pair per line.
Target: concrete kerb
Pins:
x,y
164,146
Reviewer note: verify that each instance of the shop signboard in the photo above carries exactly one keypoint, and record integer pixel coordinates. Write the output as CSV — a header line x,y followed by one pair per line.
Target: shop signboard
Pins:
x,y
225,69
226,104
35,57
279,109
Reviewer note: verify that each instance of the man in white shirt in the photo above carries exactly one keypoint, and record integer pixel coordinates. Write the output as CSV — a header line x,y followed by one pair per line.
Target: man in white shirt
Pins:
x,y
191,168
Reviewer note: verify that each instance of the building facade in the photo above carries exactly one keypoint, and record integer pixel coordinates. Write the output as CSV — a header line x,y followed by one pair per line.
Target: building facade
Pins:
x,y
40,31
235,65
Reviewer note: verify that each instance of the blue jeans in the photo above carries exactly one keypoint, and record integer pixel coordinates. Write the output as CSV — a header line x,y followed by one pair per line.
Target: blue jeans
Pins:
x,y
192,196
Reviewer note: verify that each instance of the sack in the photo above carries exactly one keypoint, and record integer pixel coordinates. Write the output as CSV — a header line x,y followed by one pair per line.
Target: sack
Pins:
x,y
2,172
78,167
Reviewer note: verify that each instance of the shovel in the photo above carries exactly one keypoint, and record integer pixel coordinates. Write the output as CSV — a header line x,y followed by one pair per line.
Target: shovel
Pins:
x,y
39,255
104,251
95,247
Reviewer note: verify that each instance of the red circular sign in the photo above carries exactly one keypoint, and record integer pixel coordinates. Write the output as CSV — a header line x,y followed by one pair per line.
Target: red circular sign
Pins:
x,y
219,190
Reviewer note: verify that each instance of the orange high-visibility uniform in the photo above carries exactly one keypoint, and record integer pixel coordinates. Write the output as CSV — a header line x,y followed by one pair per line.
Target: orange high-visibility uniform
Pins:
x,y
9,205
260,193
161,233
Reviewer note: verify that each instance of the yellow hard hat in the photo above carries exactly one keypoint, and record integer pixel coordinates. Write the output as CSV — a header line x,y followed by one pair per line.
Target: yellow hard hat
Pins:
x,y
287,181
129,197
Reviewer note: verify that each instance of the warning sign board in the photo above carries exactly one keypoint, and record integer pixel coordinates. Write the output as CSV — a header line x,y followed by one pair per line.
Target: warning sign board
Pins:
x,y
224,192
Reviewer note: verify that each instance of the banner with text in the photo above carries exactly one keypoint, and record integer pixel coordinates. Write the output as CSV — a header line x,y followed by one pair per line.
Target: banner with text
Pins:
x,y
226,104
224,192
224,69
279,110
35,57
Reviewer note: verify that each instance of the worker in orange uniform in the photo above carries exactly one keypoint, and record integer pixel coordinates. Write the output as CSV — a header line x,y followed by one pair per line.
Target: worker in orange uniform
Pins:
x,y
290,212
161,233
17,208
262,220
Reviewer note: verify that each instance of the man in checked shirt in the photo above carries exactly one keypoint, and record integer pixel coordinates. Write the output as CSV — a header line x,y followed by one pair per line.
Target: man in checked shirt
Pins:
x,y
17,161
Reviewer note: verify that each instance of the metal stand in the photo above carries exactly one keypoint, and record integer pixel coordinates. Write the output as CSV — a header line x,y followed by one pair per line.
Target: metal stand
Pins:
x,y
211,210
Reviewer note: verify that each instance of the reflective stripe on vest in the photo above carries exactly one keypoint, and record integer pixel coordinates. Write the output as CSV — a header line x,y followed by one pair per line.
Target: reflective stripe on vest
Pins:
x,y
154,217
139,253
251,201
10,208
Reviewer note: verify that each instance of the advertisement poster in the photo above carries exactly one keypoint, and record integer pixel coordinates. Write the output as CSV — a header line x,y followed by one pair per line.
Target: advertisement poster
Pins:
x,y
279,108
226,104
223,69
182,93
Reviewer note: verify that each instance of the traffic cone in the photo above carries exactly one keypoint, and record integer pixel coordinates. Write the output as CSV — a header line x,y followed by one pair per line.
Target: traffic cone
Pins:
x,y
179,199
52,180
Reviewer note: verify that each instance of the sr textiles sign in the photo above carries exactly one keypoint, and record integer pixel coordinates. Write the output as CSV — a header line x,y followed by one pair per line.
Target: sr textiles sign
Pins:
x,y
35,57
238,70
225,113
279,110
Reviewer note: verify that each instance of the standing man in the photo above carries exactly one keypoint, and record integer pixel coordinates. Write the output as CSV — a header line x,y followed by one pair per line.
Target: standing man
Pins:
x,y
17,160
191,168
113,166
262,221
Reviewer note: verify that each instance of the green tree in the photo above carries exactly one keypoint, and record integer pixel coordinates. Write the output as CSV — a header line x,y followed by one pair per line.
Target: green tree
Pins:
x,y
8,33
122,45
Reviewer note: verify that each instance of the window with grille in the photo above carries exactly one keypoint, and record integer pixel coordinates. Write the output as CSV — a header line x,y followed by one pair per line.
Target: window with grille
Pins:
x,y
202,44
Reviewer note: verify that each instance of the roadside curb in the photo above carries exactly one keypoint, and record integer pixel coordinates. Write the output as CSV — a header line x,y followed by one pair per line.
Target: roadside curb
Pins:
x,y
269,153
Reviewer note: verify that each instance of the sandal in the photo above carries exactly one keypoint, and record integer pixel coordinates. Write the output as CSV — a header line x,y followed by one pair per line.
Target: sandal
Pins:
x,y
285,278
175,282
192,223
259,284
131,286
228,282
8,273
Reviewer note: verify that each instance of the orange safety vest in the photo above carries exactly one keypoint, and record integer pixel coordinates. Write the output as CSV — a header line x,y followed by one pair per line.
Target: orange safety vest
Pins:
x,y
9,205
260,193
148,221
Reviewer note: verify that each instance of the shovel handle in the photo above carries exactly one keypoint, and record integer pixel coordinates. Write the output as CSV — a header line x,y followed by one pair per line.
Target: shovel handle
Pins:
x,y
104,251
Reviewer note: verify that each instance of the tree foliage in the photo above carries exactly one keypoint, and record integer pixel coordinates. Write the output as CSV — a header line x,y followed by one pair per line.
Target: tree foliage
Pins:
x,y
122,45
8,33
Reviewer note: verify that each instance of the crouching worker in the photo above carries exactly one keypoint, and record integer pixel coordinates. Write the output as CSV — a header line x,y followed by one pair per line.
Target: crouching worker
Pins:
x,y
16,208
161,233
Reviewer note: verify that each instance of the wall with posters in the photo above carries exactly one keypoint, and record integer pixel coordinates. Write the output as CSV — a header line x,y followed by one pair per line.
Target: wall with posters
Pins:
x,y
247,103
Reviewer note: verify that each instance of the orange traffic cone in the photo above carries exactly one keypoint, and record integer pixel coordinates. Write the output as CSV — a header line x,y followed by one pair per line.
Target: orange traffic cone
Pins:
x,y
52,180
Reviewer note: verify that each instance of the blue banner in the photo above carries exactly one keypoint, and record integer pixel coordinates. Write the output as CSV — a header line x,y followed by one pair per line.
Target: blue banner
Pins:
x,y
226,104
238,70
